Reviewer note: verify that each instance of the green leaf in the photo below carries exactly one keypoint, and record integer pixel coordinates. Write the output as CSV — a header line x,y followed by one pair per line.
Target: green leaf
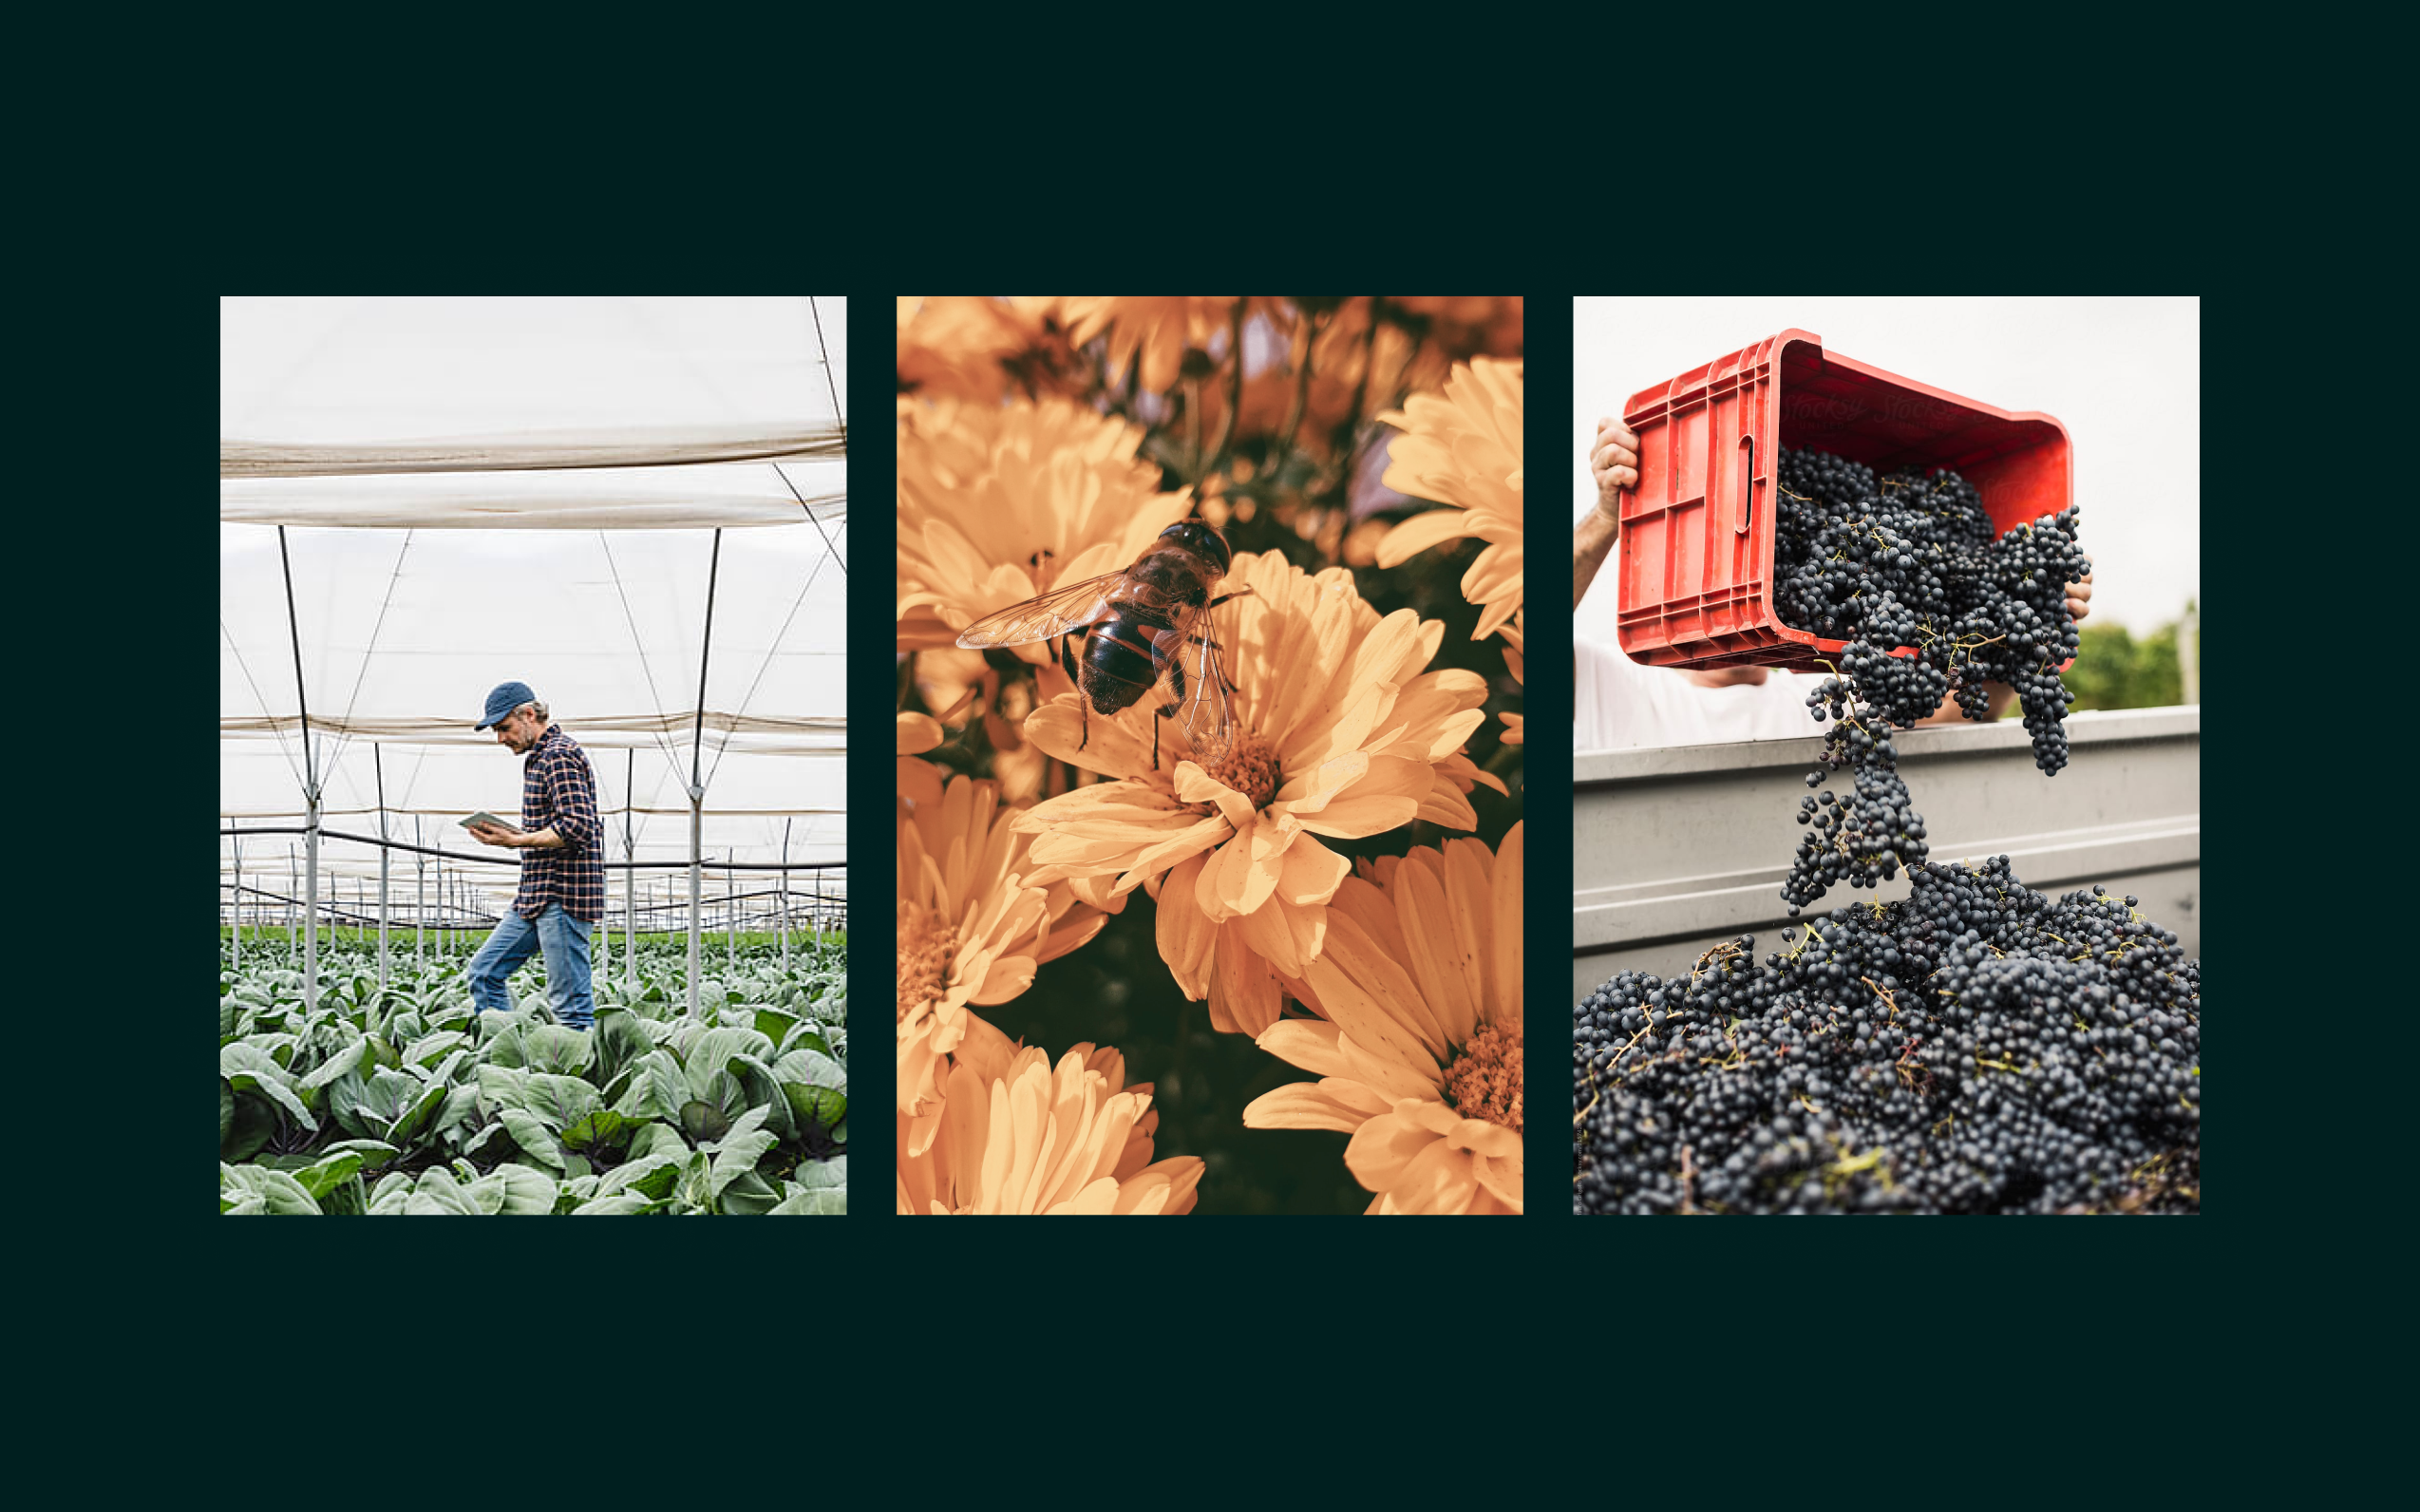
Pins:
x,y
658,1087
659,1138
226,1110
462,1108
704,1121
429,1049
334,1067
603,1127
618,1204
834,1172
256,1190
373,1153
740,1149
652,1176
820,1201
824,1106
328,1172
417,1114
248,1068
562,1101
750,1195
512,1190
530,1132
255,1122
703,1051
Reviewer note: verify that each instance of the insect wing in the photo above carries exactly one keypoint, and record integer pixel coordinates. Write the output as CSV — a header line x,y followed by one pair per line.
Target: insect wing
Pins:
x,y
1207,714
1062,611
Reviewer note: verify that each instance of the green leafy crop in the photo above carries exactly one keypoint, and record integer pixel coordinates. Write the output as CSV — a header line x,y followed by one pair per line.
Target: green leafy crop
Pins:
x,y
409,1100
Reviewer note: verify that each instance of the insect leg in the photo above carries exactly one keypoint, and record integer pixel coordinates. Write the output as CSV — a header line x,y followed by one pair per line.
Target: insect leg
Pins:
x,y
1240,593
1083,709
1169,710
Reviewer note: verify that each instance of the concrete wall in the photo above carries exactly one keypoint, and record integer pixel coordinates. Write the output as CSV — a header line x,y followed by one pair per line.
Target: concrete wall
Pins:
x,y
1677,847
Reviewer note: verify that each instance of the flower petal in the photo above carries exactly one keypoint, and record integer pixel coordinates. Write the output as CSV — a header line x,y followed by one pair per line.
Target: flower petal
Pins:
x,y
1383,1149
1419,532
1303,1104
1244,994
1185,932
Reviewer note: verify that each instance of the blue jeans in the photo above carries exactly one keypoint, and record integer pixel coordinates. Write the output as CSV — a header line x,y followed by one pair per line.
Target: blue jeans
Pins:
x,y
565,941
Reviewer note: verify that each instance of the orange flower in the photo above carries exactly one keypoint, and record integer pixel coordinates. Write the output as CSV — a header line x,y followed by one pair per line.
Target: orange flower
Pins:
x,y
1339,732
999,503
1463,447
971,930
1418,1048
978,348
1352,364
1160,328
1019,1135
1467,326
955,346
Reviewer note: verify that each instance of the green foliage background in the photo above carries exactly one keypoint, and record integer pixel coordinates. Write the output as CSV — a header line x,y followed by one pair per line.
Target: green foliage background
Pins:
x,y
2115,670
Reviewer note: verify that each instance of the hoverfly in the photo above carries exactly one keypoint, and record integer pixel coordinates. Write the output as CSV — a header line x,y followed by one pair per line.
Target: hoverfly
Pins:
x,y
1143,627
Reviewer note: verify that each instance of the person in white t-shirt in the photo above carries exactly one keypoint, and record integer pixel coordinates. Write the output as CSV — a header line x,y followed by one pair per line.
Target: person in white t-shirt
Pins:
x,y
1617,704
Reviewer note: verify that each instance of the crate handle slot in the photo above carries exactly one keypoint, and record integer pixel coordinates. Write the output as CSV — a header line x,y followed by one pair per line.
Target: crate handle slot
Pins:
x,y
1747,486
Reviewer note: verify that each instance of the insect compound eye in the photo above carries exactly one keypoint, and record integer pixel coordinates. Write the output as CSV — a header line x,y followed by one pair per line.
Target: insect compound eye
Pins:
x,y
1201,540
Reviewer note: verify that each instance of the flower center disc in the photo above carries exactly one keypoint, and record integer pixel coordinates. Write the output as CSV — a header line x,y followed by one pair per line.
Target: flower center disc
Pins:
x,y
1249,767
1484,1080
926,948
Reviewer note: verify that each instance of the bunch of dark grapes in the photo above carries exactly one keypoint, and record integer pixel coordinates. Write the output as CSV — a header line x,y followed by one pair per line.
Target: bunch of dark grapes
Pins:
x,y
1974,1048
1864,840
1907,570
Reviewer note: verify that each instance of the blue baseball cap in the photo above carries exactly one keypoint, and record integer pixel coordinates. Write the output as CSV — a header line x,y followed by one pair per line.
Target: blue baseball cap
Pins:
x,y
507,697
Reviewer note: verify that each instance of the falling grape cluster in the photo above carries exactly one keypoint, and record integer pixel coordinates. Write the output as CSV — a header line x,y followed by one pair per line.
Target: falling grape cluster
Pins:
x,y
1907,570
1975,1047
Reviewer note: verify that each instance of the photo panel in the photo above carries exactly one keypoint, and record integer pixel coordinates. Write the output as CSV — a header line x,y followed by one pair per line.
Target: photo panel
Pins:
x,y
534,889
1886,755
1209,793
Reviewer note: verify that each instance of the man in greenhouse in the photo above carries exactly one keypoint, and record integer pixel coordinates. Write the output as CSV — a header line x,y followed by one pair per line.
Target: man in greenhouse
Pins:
x,y
561,841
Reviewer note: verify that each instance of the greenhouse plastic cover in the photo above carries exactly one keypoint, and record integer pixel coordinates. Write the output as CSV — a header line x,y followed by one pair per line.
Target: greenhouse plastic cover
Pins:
x,y
482,491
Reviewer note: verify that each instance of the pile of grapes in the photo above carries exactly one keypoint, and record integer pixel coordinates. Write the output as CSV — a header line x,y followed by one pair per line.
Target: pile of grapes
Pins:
x,y
1974,1048
1910,562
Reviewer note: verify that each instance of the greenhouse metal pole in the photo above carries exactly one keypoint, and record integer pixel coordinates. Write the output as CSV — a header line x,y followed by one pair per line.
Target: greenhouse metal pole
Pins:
x,y
629,868
239,902
293,929
696,821
730,920
420,902
698,771
786,896
377,766
310,790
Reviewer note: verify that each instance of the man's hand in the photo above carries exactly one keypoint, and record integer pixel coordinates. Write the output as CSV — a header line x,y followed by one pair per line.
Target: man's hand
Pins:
x,y
495,835
1613,457
1613,460
2079,598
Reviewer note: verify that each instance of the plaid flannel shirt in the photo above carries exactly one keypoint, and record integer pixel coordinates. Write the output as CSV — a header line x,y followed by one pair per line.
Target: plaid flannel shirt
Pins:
x,y
559,789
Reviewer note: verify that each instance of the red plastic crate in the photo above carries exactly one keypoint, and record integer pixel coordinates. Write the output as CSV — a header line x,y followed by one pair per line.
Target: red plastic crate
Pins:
x,y
1697,554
